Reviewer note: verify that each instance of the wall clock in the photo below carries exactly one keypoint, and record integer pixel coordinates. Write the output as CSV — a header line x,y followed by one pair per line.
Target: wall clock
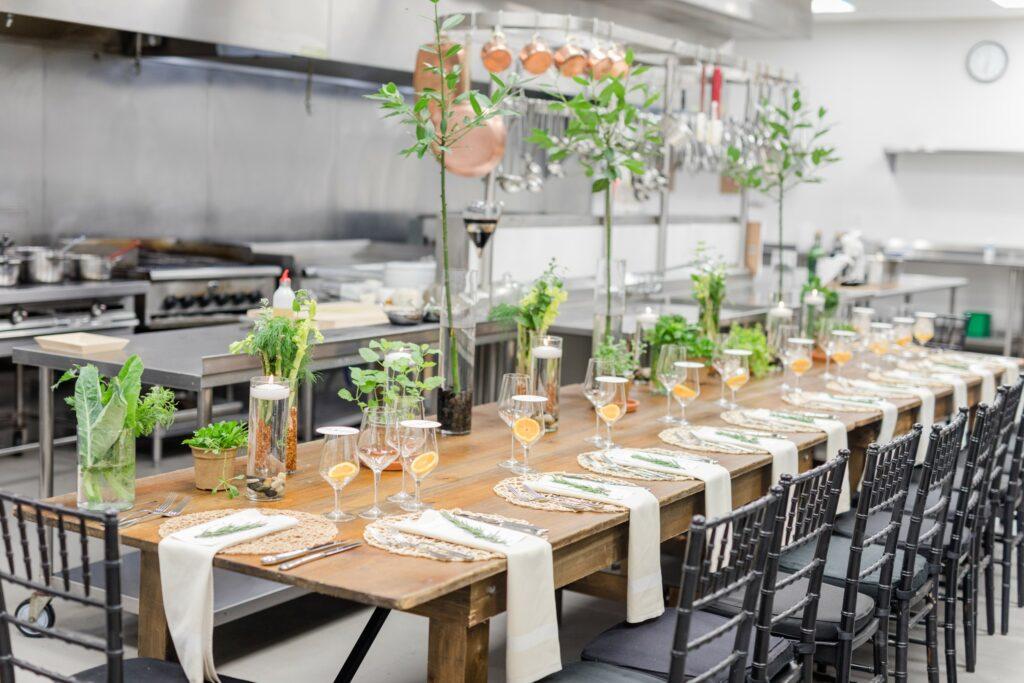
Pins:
x,y
987,61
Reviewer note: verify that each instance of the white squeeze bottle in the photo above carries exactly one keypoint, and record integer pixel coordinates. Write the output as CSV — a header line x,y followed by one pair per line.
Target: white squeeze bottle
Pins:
x,y
284,296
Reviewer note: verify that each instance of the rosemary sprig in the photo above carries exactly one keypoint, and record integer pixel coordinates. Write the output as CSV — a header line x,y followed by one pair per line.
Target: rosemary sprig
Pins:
x,y
656,461
596,490
745,438
474,531
794,417
229,529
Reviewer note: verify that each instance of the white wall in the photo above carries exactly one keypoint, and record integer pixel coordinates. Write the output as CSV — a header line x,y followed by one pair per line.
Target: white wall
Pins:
x,y
904,84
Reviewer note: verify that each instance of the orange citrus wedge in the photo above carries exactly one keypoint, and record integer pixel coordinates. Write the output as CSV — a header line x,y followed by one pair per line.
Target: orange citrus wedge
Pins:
x,y
842,357
424,463
526,429
682,392
343,471
737,381
610,412
800,365
903,341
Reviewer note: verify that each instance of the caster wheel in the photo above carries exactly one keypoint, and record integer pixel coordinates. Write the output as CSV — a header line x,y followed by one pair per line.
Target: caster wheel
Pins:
x,y
47,618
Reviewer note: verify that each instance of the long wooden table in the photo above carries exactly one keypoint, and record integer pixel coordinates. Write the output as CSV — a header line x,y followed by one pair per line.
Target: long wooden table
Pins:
x,y
460,597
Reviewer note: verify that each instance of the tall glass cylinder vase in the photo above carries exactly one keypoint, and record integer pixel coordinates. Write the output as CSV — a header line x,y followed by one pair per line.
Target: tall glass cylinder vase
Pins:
x,y
269,411
106,471
546,374
609,300
458,349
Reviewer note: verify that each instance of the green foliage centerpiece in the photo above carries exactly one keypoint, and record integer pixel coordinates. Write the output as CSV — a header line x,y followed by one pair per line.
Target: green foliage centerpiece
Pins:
x,y
396,369
534,313
709,290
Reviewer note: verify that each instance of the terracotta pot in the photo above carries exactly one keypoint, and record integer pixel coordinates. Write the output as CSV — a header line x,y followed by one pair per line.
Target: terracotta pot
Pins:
x,y
536,56
211,467
571,59
495,54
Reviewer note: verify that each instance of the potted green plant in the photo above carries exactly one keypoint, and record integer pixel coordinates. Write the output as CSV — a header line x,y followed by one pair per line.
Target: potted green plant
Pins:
x,y
214,449
439,122
396,369
613,136
534,313
111,413
795,155
708,290
752,339
283,346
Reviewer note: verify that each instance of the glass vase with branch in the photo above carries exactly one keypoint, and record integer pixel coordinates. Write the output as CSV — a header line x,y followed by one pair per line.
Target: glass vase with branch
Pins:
x,y
439,120
613,135
794,154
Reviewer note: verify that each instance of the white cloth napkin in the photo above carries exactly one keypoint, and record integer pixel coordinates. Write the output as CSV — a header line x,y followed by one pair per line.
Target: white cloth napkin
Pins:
x,y
785,459
925,417
835,441
532,650
888,427
643,581
186,577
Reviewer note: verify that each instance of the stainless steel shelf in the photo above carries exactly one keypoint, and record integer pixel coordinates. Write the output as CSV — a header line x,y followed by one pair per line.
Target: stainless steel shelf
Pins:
x,y
893,153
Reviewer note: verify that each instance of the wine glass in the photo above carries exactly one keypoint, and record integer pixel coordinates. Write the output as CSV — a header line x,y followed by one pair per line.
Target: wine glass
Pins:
x,y
737,371
527,425
512,384
842,348
825,342
665,371
798,358
880,339
596,394
687,387
339,464
903,334
424,456
861,321
375,449
406,408
615,406
718,363
924,328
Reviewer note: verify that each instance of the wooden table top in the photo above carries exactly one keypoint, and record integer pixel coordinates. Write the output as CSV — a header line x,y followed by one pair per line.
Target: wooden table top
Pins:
x,y
465,478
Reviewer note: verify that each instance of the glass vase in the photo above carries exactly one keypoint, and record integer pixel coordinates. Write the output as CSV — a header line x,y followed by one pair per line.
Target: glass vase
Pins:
x,y
269,415
609,301
546,374
291,453
106,476
458,348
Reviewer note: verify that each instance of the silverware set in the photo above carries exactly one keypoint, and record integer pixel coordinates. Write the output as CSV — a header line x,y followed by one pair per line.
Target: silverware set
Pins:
x,y
636,472
418,543
172,506
313,554
577,504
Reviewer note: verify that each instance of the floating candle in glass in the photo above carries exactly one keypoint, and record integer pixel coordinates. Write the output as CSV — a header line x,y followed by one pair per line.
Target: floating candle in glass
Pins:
x,y
265,470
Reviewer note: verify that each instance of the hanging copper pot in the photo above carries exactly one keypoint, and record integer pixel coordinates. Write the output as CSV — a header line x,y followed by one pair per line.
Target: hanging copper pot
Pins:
x,y
536,56
423,79
480,150
571,59
617,57
495,54
599,62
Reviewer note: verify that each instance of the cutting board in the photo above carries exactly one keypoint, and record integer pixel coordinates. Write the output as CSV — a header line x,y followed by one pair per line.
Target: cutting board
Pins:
x,y
335,315
81,342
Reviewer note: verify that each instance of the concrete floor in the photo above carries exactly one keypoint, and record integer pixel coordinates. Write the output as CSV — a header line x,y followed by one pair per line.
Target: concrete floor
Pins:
x,y
307,639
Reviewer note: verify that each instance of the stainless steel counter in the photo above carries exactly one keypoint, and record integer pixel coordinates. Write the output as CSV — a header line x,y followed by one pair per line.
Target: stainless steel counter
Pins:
x,y
31,294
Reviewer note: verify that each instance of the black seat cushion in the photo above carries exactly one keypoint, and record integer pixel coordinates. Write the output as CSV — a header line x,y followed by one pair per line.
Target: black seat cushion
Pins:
x,y
839,557
844,525
830,606
647,647
596,672
144,669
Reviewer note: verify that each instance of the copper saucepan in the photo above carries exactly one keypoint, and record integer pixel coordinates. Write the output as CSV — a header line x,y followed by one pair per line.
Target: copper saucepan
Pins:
x,y
599,61
495,54
423,79
617,57
571,59
480,151
536,56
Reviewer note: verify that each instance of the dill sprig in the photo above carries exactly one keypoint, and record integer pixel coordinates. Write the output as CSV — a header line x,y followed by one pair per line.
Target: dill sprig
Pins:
x,y
229,529
656,461
745,438
473,530
596,490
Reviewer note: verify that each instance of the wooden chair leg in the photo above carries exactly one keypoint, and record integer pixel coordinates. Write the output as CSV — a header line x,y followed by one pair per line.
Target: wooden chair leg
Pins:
x,y
949,619
931,633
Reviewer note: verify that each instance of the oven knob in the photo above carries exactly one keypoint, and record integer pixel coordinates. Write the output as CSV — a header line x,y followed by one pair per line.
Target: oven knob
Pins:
x,y
97,309
18,315
237,298
204,300
255,296
188,301
170,301
220,299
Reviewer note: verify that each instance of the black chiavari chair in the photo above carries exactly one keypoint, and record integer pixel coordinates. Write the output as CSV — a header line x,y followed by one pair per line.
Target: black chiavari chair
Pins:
x,y
35,564
950,331
1012,519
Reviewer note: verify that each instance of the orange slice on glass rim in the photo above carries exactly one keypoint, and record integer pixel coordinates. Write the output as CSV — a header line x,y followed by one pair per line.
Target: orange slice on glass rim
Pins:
x,y
610,412
424,463
526,429
343,471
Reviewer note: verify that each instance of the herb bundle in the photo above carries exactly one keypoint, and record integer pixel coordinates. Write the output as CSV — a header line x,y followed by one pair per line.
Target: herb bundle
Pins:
x,y
586,488
708,290
472,529
228,529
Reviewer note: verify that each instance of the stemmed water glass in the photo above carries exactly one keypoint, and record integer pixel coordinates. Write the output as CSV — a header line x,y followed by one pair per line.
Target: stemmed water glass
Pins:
x,y
512,384
687,386
826,342
718,363
424,456
527,426
375,449
596,394
736,367
903,334
924,328
861,320
614,388
798,358
842,348
406,408
339,464
665,371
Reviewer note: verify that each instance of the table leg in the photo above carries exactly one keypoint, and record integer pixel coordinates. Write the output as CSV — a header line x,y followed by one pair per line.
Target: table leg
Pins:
x,y
204,407
457,652
1011,309
154,638
45,433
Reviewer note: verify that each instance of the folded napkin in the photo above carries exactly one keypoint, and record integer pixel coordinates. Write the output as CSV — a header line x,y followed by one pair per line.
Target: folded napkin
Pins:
x,y
186,577
532,651
835,435
643,581
925,417
988,381
783,451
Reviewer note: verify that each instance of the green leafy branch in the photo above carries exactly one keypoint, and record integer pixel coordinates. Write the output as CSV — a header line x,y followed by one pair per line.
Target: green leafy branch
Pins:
x,y
399,372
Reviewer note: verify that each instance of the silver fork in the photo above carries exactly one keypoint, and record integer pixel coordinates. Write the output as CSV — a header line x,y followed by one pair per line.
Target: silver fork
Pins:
x,y
173,512
139,514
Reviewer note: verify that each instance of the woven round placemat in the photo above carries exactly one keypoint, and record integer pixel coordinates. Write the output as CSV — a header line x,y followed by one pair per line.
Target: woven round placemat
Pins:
x,y
741,418
311,530
383,534
685,438
593,462
515,491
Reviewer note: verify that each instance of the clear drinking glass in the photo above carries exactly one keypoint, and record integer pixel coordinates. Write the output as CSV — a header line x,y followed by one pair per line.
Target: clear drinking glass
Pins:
x,y
665,371
826,343
375,450
687,387
924,328
528,426
512,384
421,435
798,358
736,368
546,375
339,464
614,388
903,334
879,343
842,348
596,394
406,408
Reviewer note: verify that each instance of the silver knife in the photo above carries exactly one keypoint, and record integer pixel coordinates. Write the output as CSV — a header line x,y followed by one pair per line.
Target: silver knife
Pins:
x,y
292,554
505,524
319,556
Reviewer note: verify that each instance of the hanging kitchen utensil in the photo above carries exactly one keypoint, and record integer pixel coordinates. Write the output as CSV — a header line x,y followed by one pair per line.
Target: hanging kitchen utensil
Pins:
x,y
617,57
536,56
495,54
598,61
422,78
480,150
571,59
